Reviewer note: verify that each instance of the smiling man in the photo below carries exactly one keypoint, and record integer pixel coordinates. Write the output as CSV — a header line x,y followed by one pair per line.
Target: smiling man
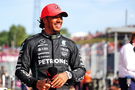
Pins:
x,y
53,59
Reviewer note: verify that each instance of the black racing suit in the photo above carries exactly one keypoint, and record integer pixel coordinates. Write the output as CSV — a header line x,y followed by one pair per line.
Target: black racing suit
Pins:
x,y
41,51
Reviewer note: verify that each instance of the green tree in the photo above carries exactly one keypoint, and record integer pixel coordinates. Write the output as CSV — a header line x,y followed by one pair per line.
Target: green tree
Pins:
x,y
17,34
3,38
65,32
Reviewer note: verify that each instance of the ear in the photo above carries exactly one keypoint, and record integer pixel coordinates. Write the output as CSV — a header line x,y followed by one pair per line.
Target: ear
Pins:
x,y
44,20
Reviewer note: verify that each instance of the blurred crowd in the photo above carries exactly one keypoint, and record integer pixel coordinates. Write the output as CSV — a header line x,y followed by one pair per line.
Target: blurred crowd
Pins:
x,y
99,65
90,82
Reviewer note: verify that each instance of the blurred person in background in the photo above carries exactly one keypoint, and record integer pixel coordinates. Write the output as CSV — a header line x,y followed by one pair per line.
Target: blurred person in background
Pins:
x,y
87,81
0,83
3,76
53,59
127,65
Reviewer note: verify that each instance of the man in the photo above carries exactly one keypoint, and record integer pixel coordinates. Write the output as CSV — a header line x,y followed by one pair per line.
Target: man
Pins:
x,y
127,65
54,60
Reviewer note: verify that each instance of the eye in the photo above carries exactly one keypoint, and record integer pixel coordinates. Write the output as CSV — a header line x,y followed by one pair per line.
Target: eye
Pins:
x,y
59,16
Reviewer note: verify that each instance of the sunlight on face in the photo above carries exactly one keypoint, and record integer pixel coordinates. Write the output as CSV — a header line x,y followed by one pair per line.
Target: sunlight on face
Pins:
x,y
55,23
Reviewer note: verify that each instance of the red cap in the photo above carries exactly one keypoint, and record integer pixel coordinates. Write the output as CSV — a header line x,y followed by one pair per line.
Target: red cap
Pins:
x,y
52,10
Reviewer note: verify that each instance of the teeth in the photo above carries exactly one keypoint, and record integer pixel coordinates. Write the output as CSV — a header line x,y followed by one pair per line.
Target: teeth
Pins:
x,y
58,25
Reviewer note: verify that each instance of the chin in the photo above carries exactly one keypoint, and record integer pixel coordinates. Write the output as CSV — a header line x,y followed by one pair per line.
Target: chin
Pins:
x,y
57,30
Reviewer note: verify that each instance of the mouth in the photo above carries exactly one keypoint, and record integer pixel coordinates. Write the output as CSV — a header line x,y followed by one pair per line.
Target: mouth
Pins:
x,y
58,25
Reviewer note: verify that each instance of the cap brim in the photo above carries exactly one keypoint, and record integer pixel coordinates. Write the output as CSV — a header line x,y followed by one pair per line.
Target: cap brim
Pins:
x,y
64,14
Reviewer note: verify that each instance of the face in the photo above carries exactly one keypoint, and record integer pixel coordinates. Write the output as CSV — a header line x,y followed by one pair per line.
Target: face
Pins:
x,y
53,23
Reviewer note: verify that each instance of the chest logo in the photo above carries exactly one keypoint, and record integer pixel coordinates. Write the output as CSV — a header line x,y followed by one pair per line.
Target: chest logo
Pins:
x,y
63,43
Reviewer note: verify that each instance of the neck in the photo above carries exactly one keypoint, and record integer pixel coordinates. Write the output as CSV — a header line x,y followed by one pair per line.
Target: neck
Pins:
x,y
50,32
51,36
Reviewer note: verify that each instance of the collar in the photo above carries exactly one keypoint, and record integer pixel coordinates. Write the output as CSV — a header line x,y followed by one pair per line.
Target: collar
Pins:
x,y
54,36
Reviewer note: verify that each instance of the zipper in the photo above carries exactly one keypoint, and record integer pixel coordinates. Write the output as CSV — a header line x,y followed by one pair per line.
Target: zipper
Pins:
x,y
52,51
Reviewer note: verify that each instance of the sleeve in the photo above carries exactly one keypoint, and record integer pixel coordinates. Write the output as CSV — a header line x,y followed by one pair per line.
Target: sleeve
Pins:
x,y
23,65
77,66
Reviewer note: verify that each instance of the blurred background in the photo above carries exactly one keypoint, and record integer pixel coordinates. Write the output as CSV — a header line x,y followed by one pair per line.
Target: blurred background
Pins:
x,y
99,27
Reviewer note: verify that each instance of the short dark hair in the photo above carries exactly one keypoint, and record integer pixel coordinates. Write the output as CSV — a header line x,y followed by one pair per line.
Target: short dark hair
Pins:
x,y
41,25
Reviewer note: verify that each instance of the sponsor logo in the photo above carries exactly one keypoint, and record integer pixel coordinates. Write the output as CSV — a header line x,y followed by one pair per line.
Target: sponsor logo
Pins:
x,y
49,61
42,53
42,41
63,43
42,44
41,57
64,51
42,48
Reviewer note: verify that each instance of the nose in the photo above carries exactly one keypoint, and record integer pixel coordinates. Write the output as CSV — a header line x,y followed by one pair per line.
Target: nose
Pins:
x,y
59,19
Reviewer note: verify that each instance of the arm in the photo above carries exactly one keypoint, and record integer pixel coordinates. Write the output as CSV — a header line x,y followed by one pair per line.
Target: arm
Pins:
x,y
75,76
23,65
77,66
